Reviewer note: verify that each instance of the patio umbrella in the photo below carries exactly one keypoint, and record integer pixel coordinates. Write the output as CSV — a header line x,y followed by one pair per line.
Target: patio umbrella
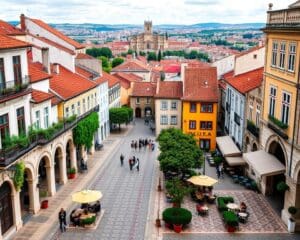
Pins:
x,y
202,180
86,196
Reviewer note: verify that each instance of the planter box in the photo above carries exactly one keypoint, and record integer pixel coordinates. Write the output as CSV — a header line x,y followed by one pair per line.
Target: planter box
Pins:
x,y
44,204
71,175
291,225
177,228
231,229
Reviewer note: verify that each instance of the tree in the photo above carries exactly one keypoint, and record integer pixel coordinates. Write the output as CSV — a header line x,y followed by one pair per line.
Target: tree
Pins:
x,y
151,56
159,56
117,61
118,116
130,51
98,52
179,151
142,53
129,111
177,191
105,64
106,52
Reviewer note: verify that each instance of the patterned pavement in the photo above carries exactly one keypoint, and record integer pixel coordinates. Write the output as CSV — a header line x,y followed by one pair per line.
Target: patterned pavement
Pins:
x,y
125,194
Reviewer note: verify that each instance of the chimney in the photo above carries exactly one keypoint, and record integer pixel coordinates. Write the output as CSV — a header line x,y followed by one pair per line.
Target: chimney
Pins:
x,y
22,22
182,72
157,86
56,68
46,60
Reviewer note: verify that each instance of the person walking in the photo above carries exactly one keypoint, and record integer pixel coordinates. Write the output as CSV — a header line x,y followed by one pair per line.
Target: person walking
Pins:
x,y
218,171
122,159
221,170
62,220
138,164
130,164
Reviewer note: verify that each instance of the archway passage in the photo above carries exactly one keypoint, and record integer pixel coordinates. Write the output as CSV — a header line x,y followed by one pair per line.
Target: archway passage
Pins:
x,y
25,199
6,213
44,177
148,112
138,112
276,197
58,171
254,147
68,154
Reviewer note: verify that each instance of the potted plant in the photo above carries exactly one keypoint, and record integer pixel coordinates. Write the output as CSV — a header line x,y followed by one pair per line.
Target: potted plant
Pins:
x,y
231,220
44,202
177,217
157,221
176,189
71,173
282,187
291,222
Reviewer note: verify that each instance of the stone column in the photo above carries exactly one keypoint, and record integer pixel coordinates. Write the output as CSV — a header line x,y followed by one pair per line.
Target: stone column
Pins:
x,y
62,169
50,180
17,209
73,158
34,198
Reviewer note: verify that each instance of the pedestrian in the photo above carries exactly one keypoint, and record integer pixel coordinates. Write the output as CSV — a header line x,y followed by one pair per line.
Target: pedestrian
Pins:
x,y
121,159
138,164
218,172
146,142
62,220
133,160
140,146
153,146
130,164
135,145
132,145
221,170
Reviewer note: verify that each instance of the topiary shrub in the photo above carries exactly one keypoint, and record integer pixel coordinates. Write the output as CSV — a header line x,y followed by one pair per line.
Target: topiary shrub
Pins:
x,y
230,218
177,216
292,210
223,201
218,160
282,187
89,221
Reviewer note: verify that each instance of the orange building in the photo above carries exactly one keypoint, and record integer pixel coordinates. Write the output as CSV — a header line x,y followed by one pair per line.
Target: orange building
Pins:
x,y
200,105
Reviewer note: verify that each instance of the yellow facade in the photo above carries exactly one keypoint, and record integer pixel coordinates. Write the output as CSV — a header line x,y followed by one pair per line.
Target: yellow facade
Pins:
x,y
199,133
125,93
87,101
281,78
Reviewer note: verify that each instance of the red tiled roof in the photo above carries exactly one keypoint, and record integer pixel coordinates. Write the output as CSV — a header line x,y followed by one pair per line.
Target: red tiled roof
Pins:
x,y
83,72
228,74
39,96
130,77
7,42
68,84
112,80
57,33
200,84
143,89
83,56
36,72
172,69
222,84
169,89
7,29
246,82
131,66
55,100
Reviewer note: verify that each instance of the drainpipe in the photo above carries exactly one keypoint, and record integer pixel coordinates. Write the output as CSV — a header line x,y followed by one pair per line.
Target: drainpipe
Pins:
x,y
295,116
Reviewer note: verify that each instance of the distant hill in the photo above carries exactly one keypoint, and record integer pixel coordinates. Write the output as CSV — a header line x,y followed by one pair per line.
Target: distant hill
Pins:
x,y
226,25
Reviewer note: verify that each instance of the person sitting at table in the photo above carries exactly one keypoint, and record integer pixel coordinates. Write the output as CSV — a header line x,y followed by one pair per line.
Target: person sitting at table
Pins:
x,y
85,206
199,196
96,207
201,209
75,216
243,207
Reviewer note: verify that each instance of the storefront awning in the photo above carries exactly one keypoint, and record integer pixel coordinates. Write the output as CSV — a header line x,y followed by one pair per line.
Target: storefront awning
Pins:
x,y
263,163
235,161
228,147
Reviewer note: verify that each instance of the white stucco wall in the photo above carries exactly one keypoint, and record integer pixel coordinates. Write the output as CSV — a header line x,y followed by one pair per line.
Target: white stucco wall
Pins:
x,y
103,110
224,65
40,107
41,85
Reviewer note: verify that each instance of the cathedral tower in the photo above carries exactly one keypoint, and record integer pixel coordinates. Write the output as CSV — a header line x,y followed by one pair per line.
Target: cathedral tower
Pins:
x,y
148,27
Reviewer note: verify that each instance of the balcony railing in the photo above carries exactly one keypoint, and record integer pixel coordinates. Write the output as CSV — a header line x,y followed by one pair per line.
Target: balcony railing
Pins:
x,y
284,18
278,127
237,119
251,127
10,87
40,138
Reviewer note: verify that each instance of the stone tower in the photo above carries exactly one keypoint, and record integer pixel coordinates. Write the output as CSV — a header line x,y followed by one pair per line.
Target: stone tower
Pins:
x,y
148,27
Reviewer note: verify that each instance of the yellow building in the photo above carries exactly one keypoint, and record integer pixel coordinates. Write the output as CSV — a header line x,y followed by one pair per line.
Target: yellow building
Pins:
x,y
200,105
280,123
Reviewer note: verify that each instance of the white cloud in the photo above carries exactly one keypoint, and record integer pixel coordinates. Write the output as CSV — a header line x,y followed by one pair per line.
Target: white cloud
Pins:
x,y
135,11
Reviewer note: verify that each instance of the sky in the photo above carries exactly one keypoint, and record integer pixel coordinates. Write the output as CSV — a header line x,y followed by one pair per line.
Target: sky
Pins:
x,y
136,11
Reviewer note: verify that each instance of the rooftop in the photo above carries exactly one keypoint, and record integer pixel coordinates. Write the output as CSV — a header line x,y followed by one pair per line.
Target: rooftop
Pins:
x,y
131,65
143,89
39,96
7,29
112,80
169,90
11,43
36,72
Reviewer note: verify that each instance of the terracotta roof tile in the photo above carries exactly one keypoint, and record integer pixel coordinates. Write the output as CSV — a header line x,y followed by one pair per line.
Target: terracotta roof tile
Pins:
x,y
131,65
130,77
172,68
143,89
36,72
68,84
200,84
169,89
7,29
7,42
83,56
246,82
39,96
57,33
83,72
112,80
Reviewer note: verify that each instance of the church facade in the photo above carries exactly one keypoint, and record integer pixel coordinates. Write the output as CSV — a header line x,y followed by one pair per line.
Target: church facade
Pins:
x,y
148,41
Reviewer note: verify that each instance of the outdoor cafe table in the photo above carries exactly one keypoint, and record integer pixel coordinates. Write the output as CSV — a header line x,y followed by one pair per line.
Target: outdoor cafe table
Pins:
x,y
232,206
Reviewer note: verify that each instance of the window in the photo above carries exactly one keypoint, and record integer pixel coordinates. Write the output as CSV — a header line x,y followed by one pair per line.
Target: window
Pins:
x,y
257,118
274,54
173,105
73,109
192,124
95,99
83,104
254,56
272,101
148,100
205,144
37,119
286,101
17,70
46,117
173,120
67,112
292,57
88,106
207,108
193,107
92,100
2,74
78,108
137,100
163,105
163,120
282,55
21,120
250,110
4,126
204,125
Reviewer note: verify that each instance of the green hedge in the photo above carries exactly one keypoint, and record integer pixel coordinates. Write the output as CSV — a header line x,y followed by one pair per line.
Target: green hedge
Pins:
x,y
223,201
177,216
88,221
230,218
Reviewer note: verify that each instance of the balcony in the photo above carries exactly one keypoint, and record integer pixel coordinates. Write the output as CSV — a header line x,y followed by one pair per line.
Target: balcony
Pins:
x,y
237,119
39,137
251,127
285,18
278,127
10,87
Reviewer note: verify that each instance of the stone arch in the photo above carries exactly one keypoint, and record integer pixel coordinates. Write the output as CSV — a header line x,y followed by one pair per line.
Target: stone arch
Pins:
x,y
45,173
247,140
49,161
254,147
70,150
296,175
27,191
270,148
59,164
138,112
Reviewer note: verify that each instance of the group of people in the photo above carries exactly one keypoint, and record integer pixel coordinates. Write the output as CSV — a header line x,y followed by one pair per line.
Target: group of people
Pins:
x,y
133,162
142,143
